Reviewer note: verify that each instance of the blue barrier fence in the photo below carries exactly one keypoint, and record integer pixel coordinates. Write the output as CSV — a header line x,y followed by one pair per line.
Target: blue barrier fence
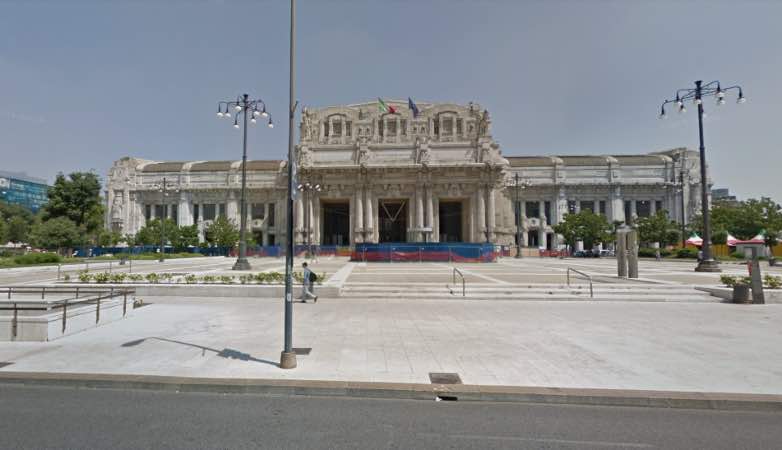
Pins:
x,y
426,251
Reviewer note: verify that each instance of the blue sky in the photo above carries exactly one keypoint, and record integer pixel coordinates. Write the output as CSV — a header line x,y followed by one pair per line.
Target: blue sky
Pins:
x,y
83,83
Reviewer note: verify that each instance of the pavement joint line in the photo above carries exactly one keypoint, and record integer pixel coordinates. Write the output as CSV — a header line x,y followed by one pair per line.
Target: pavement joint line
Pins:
x,y
419,391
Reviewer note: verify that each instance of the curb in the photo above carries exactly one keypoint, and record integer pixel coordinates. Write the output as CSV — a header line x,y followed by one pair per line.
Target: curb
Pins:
x,y
408,391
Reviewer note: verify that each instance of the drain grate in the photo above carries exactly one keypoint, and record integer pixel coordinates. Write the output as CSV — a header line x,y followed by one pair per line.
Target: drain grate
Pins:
x,y
4,364
302,350
444,378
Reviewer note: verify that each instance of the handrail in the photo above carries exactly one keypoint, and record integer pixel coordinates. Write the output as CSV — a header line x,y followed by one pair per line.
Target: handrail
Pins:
x,y
455,271
591,290
64,303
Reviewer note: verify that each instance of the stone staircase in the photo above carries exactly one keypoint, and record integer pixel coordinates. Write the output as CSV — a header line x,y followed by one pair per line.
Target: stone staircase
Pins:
x,y
529,292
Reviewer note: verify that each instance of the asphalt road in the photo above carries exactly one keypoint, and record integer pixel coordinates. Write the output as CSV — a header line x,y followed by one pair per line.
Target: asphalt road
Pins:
x,y
50,417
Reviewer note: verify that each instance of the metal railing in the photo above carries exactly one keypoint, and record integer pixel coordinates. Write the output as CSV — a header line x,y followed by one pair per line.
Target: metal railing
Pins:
x,y
457,271
100,294
589,278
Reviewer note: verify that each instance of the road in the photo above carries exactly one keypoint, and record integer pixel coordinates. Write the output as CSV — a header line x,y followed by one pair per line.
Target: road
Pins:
x,y
51,417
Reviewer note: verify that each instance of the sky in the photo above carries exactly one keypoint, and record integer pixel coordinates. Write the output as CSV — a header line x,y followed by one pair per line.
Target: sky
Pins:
x,y
84,83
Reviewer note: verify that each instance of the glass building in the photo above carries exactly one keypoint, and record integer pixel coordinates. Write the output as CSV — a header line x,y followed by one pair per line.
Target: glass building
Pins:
x,y
20,189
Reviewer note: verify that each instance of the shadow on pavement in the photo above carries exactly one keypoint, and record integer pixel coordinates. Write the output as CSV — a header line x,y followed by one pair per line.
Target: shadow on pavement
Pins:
x,y
224,353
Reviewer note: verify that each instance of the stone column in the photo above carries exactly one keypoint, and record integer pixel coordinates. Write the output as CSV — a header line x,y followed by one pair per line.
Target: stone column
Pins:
x,y
185,215
621,253
491,213
481,213
310,218
430,213
632,254
542,238
369,219
419,212
652,207
358,215
315,220
233,208
578,206
633,209
298,223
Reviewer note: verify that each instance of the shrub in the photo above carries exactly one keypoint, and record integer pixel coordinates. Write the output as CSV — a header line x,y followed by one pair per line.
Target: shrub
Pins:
x,y
118,277
191,279
37,258
687,253
85,277
135,277
167,277
208,279
772,282
102,277
226,279
728,280
738,255
152,277
66,277
244,279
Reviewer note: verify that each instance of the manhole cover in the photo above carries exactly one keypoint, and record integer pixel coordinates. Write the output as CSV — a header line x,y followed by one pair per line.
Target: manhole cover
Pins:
x,y
444,378
302,350
4,364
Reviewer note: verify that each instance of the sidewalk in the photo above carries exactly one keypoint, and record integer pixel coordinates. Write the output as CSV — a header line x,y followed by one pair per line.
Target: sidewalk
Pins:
x,y
715,348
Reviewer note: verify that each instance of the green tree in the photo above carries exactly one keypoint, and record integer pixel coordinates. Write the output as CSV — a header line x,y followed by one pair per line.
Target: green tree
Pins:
x,y
150,233
585,226
18,229
186,236
108,238
658,228
7,211
3,232
77,198
744,220
58,233
222,233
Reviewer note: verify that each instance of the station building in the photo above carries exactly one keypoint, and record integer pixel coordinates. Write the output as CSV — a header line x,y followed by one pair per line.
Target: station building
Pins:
x,y
396,176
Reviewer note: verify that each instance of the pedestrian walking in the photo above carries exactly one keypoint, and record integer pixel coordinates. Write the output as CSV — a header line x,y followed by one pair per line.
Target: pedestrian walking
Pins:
x,y
308,281
657,255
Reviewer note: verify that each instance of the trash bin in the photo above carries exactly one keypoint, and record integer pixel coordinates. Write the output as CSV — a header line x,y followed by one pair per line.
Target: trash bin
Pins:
x,y
741,293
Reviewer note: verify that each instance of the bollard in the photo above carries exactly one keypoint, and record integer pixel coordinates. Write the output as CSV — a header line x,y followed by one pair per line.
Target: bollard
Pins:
x,y
621,253
59,267
756,279
632,254
109,266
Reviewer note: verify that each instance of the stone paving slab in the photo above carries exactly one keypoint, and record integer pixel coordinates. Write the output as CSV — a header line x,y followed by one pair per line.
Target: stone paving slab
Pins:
x,y
585,345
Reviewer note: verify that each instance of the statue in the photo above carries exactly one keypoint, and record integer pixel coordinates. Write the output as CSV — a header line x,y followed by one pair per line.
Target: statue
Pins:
x,y
116,207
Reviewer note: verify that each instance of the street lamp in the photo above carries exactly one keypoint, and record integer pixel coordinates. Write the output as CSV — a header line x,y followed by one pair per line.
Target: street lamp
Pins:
x,y
519,185
306,188
242,105
164,188
713,89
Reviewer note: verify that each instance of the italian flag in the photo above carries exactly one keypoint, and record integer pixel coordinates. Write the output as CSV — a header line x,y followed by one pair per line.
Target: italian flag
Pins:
x,y
385,108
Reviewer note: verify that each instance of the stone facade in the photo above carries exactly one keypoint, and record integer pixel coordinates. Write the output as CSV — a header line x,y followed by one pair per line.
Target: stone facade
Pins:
x,y
393,176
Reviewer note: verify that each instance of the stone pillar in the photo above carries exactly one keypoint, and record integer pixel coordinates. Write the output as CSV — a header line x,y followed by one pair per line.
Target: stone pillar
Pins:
x,y
542,238
481,213
315,220
185,215
652,207
578,206
430,213
298,223
369,220
358,215
233,208
491,213
419,213
310,218
632,254
633,209
621,253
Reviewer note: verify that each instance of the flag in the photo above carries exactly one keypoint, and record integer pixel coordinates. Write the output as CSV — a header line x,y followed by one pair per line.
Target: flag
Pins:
x,y
411,104
385,108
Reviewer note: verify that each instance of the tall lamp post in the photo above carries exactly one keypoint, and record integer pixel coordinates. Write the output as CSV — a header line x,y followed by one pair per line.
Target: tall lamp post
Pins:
x,y
519,185
288,356
242,105
307,188
164,188
712,89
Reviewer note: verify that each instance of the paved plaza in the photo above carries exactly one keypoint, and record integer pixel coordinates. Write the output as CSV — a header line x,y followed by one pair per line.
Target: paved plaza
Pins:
x,y
715,347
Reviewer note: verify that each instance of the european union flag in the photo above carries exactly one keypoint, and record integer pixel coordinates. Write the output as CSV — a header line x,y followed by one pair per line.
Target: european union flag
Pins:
x,y
411,104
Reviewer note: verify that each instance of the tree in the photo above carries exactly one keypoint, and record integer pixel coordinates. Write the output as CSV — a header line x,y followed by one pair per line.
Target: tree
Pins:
x,y
3,232
57,233
186,236
150,234
658,228
744,220
18,229
77,198
108,238
222,233
585,226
